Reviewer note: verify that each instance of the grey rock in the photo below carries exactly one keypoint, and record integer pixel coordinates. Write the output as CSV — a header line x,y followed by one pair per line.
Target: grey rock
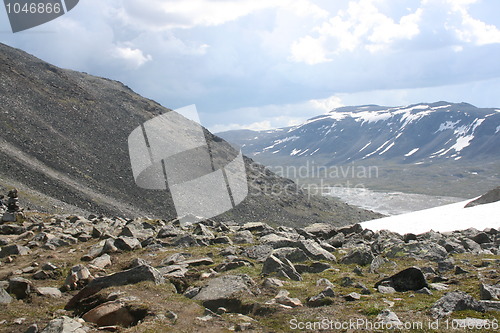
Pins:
x,y
356,229
202,230
422,250
489,292
11,229
21,288
389,318
256,226
425,291
337,240
14,249
409,279
64,325
481,238
491,305
385,289
49,292
5,298
283,268
460,270
322,299
197,262
453,247
127,243
291,253
169,231
222,240
130,276
32,329
243,237
321,230
258,252
315,251
360,256
315,267
446,265
192,292
78,276
225,292
376,263
352,297
102,262
277,241
455,301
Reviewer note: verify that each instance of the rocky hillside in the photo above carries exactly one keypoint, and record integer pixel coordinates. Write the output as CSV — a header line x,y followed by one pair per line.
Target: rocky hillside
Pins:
x,y
63,139
63,274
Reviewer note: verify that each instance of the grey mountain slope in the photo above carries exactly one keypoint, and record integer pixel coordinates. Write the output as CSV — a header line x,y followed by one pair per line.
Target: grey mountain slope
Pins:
x,y
63,134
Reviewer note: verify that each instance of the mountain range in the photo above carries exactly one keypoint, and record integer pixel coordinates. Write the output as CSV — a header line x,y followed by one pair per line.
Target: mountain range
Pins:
x,y
455,138
64,145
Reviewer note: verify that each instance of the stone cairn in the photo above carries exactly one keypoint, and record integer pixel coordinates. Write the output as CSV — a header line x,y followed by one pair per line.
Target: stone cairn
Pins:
x,y
12,210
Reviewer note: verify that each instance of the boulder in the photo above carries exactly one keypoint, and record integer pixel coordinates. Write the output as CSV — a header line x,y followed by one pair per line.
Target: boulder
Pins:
x,y
127,243
101,262
291,253
21,288
489,292
110,314
258,252
409,279
243,237
78,276
361,256
11,229
277,241
283,268
64,325
225,291
49,292
321,299
14,249
389,318
130,276
5,298
321,230
455,301
315,251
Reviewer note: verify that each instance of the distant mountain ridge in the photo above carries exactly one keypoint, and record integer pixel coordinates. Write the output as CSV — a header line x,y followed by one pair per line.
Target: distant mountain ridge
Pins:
x,y
416,133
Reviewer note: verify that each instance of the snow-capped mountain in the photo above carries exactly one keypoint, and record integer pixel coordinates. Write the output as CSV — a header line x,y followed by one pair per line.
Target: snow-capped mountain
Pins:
x,y
413,134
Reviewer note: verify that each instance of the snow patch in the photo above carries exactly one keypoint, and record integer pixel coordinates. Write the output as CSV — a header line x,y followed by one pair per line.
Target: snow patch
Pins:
x,y
462,142
442,219
295,152
447,125
498,129
441,107
369,143
413,151
386,149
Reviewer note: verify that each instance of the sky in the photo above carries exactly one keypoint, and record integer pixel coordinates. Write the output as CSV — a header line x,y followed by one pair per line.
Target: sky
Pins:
x,y
260,64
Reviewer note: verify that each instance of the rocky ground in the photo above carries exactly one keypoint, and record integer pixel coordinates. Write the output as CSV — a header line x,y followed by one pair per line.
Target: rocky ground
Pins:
x,y
86,274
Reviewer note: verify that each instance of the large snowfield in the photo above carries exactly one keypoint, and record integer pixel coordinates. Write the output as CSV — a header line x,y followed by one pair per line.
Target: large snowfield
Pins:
x,y
445,218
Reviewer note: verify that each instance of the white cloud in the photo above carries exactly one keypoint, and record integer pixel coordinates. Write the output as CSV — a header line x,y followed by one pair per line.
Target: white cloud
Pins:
x,y
327,104
472,30
361,25
134,57
309,50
